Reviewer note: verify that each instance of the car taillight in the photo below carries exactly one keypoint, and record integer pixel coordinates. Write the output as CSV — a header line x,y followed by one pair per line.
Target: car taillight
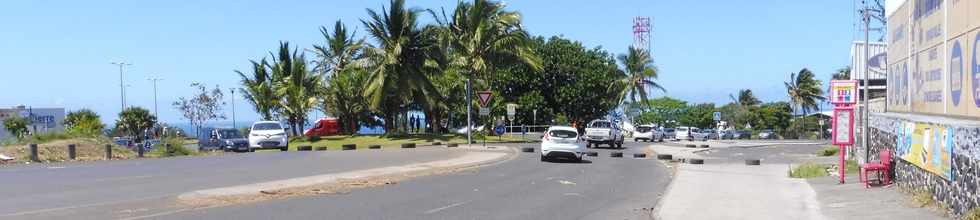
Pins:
x,y
546,136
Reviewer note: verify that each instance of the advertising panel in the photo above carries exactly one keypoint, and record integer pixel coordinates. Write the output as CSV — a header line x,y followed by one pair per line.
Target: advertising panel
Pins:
x,y
927,146
843,127
933,64
843,92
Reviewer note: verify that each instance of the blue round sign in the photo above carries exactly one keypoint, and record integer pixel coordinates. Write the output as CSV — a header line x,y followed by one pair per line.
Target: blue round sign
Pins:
x,y
499,130
956,73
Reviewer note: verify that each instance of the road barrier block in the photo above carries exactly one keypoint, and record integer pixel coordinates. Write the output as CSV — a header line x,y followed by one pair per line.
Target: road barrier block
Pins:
x,y
108,152
592,154
304,148
436,143
639,155
616,154
374,147
753,162
72,154
665,157
695,161
408,145
321,148
349,147
33,156
703,146
527,149
452,145
690,146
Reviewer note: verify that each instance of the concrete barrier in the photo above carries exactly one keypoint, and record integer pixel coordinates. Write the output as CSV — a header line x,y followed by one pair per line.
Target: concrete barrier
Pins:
x,y
665,157
452,145
616,154
72,153
33,153
304,148
374,147
348,147
108,152
639,155
753,162
408,145
321,148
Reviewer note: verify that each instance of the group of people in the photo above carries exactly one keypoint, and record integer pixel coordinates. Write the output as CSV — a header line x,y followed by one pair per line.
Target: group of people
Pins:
x,y
417,124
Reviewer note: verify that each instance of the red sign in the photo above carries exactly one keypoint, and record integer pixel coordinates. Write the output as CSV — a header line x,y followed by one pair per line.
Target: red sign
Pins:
x,y
484,97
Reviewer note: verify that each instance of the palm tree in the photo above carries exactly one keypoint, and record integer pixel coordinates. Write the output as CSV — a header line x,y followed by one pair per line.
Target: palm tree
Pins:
x,y
843,73
297,86
342,90
804,91
481,37
640,75
745,98
257,89
401,60
134,121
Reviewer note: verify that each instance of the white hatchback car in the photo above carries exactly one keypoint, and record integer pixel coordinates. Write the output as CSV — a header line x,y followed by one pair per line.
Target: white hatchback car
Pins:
x,y
562,142
267,135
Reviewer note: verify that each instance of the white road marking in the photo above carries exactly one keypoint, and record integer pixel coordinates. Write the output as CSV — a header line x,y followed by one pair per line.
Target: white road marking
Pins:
x,y
39,211
431,211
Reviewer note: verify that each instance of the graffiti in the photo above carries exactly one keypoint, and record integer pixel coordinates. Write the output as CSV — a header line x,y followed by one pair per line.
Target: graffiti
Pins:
x,y
927,146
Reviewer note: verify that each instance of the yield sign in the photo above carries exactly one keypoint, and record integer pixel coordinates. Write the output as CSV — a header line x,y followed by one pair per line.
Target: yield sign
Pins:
x,y
484,97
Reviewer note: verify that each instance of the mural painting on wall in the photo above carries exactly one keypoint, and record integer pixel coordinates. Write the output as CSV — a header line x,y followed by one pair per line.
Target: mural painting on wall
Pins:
x,y
927,146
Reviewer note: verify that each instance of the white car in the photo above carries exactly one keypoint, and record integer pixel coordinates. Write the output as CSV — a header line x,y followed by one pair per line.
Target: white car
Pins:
x,y
267,135
561,142
604,132
648,133
690,134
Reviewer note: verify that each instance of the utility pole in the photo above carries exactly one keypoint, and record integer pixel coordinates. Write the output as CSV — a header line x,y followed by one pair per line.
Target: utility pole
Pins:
x,y
122,88
234,123
469,110
155,109
864,97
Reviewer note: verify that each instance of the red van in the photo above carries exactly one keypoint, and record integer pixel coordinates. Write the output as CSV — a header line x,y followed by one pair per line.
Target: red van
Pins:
x,y
324,127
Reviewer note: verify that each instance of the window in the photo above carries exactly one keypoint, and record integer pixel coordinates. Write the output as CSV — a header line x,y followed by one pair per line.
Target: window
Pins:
x,y
562,134
267,126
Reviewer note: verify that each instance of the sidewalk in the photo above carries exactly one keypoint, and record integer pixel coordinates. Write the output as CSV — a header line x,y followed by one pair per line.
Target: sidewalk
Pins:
x,y
852,201
725,188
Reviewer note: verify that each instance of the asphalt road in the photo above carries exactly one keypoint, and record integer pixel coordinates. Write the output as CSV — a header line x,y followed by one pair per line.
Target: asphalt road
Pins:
x,y
120,189
522,188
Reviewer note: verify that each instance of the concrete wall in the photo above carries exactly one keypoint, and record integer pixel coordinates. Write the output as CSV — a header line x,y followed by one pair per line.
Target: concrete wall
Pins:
x,y
960,191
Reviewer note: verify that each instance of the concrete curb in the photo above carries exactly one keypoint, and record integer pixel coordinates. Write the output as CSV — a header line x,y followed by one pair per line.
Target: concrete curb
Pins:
x,y
467,160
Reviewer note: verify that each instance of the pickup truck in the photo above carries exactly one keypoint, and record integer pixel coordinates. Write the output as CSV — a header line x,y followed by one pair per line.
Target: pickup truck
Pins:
x,y
603,132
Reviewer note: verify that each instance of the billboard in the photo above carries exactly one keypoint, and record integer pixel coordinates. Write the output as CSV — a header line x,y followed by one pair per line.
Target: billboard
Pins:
x,y
932,60
927,146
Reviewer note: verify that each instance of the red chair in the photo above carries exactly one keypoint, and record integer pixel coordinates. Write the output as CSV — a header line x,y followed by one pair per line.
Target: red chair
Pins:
x,y
881,168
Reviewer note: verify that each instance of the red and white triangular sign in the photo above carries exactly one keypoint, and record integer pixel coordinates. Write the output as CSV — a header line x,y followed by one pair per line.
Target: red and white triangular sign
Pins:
x,y
484,97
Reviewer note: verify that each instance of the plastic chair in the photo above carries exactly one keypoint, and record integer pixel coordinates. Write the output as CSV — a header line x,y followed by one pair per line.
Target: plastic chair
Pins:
x,y
881,168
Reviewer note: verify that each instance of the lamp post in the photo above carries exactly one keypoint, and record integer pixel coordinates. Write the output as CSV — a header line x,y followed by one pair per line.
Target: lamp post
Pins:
x,y
234,123
155,109
122,88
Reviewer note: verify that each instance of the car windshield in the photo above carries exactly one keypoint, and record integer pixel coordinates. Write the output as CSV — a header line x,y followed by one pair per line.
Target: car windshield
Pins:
x,y
562,134
229,133
682,129
643,129
668,130
267,126
601,124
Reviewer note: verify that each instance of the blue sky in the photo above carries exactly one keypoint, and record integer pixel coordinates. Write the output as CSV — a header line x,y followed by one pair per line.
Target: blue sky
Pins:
x,y
57,53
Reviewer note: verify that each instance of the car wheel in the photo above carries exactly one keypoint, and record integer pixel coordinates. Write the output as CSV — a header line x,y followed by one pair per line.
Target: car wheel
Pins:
x,y
636,140
284,149
578,159
619,145
543,158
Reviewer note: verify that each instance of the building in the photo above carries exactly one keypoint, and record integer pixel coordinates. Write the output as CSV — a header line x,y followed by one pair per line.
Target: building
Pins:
x,y
44,120
931,122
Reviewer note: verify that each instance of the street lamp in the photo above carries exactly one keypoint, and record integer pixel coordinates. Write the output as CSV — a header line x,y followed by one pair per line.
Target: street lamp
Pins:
x,y
122,89
155,110
234,123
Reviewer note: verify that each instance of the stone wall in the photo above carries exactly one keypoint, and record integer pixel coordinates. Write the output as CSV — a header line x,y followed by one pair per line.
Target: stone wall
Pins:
x,y
959,194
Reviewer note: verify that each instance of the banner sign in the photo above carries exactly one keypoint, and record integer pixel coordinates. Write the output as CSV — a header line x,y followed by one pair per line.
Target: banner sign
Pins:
x,y
843,126
927,146
843,92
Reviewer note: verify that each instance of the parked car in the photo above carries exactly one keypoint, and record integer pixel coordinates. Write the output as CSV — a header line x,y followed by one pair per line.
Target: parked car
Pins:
x,y
561,142
648,133
267,135
689,133
670,133
726,134
323,127
122,141
710,134
742,134
767,134
603,132
226,139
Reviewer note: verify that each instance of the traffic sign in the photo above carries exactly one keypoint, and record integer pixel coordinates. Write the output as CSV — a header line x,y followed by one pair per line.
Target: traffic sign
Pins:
x,y
484,111
511,110
717,116
499,130
843,92
484,97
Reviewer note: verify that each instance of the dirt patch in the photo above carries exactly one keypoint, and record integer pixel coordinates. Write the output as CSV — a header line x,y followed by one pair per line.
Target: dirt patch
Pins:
x,y
341,186
86,149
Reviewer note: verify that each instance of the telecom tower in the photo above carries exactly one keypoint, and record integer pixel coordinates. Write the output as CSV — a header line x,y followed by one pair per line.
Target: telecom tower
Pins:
x,y
641,33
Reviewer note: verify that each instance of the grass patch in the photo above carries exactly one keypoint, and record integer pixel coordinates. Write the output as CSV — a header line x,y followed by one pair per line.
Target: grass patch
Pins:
x,y
828,151
176,149
87,149
363,141
808,170
973,214
922,198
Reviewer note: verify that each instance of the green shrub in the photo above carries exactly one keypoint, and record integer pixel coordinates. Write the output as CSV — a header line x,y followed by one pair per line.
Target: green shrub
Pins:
x,y
973,214
828,151
808,170
176,148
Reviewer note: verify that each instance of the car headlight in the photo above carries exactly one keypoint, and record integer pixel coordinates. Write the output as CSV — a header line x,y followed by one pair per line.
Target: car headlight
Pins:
x,y
229,142
255,135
